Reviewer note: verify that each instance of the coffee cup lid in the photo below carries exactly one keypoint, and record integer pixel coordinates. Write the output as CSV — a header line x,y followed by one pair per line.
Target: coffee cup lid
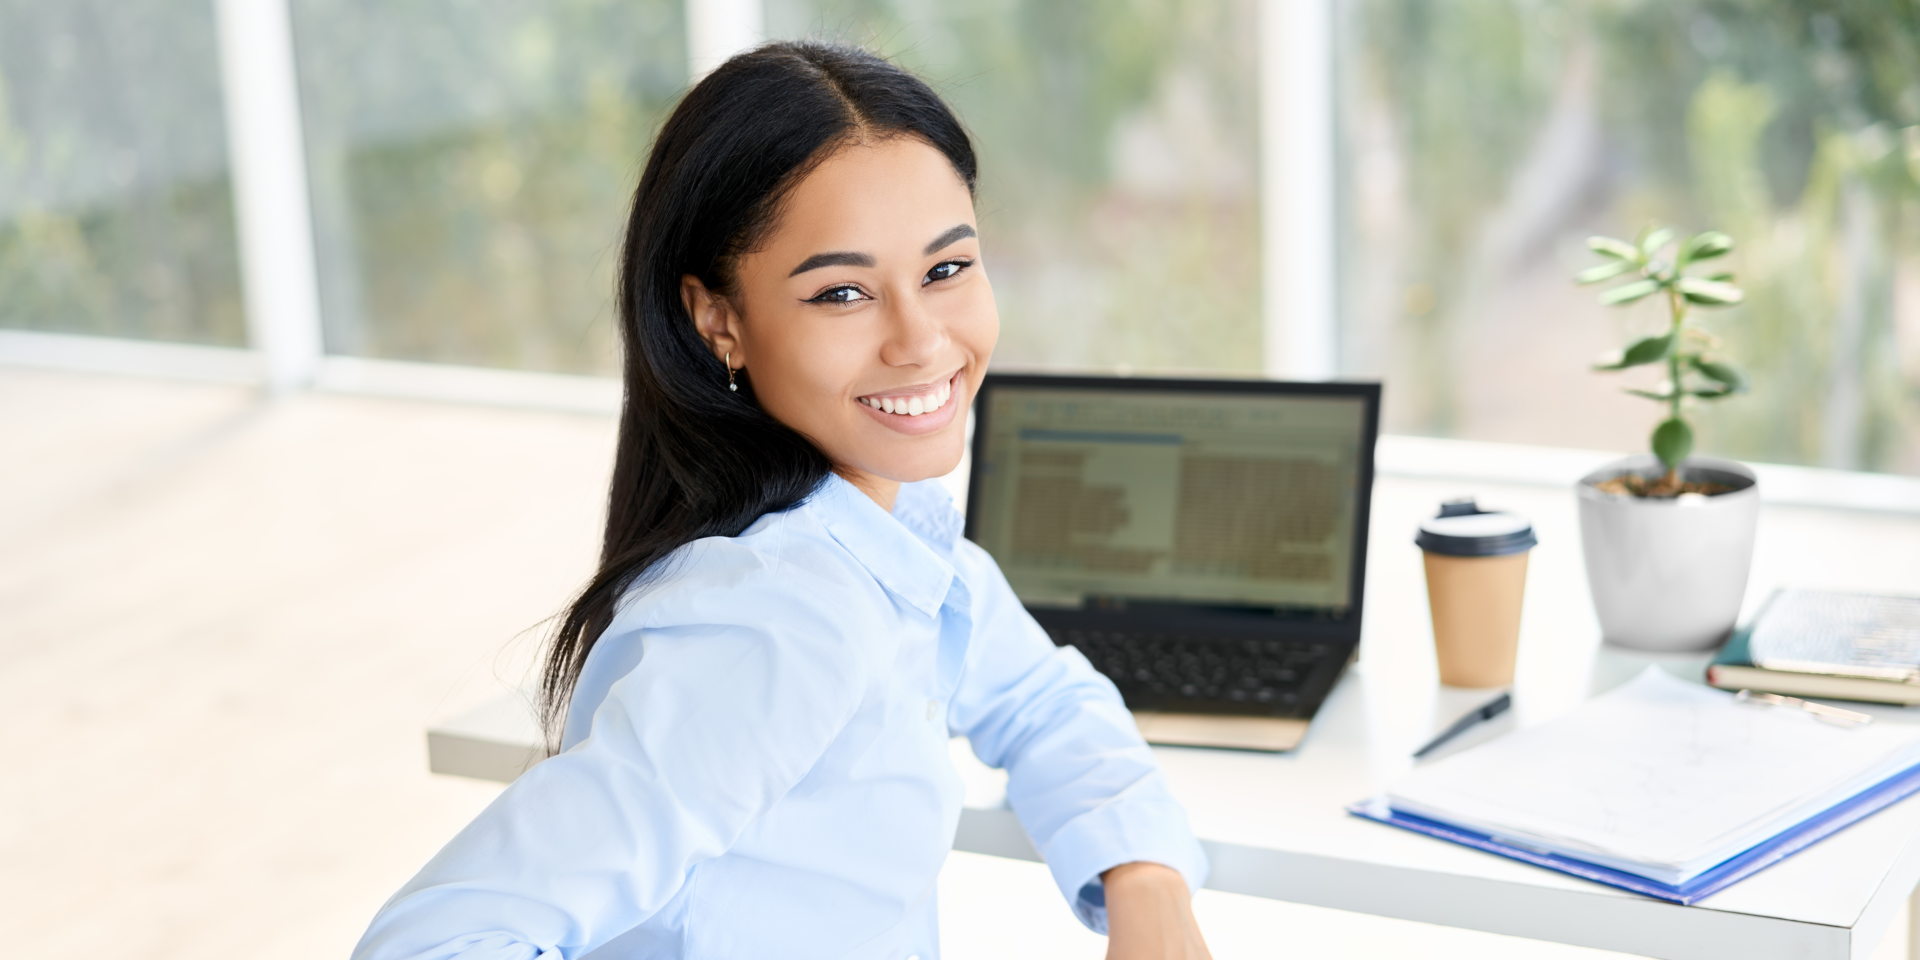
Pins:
x,y
1464,530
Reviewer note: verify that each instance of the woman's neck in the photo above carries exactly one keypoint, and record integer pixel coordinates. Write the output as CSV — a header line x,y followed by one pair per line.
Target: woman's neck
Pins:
x,y
880,489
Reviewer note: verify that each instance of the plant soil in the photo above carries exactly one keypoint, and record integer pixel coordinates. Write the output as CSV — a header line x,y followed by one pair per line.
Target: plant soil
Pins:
x,y
1658,488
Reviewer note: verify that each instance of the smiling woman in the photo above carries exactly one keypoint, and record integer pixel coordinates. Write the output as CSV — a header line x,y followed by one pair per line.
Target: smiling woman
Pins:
x,y
752,700
885,318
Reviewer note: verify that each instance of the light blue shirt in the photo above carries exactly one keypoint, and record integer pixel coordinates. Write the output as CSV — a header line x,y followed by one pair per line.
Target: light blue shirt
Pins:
x,y
755,760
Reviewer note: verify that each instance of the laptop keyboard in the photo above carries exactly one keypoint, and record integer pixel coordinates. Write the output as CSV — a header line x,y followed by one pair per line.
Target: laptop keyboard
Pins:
x,y
1154,666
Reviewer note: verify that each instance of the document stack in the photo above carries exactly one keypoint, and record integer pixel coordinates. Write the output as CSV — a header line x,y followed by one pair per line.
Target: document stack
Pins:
x,y
1663,787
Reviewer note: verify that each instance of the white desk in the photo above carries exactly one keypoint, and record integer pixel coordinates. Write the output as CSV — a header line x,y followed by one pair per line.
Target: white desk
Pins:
x,y
1275,825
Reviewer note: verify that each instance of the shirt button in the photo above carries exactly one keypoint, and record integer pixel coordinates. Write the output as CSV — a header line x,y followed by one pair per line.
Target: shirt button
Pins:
x,y
933,707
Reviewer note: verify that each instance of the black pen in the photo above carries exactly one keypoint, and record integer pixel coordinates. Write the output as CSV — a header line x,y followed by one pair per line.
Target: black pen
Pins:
x,y
1493,708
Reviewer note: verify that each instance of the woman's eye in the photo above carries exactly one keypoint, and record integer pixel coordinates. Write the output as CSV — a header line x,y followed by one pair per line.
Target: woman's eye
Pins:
x,y
945,271
847,294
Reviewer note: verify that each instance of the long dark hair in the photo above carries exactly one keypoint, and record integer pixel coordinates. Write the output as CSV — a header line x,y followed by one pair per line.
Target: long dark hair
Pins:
x,y
695,459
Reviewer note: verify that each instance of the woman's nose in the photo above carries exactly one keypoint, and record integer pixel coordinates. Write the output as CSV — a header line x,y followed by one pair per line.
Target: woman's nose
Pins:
x,y
917,337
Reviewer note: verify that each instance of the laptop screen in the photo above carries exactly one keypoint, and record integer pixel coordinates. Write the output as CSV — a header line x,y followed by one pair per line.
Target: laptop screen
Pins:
x,y
1086,496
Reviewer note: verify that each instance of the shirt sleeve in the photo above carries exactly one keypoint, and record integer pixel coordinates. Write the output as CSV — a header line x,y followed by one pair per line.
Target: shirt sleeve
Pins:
x,y
1079,776
716,723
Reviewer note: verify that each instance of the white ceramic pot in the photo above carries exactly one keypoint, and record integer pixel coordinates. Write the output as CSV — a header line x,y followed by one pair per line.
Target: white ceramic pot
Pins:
x,y
1669,574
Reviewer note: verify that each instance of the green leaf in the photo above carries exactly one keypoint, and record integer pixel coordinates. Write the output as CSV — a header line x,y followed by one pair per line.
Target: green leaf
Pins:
x,y
1642,351
1650,395
1709,293
1628,292
1719,276
1605,271
1723,374
1609,247
1714,392
1654,241
1672,441
1706,246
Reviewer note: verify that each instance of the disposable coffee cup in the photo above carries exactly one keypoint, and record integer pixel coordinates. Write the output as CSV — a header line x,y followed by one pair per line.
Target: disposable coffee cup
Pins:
x,y
1476,575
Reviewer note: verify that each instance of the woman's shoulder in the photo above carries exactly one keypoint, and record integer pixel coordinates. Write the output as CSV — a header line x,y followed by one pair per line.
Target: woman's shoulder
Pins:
x,y
782,588
783,561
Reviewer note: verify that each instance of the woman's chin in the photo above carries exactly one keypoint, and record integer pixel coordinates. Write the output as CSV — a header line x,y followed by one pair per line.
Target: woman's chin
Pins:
x,y
933,460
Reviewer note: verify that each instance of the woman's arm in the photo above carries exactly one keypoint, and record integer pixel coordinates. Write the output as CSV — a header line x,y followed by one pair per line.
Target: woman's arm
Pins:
x,y
1080,778
726,711
1150,915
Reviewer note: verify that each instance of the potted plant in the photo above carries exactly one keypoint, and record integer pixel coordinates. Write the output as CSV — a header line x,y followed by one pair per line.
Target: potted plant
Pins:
x,y
1668,537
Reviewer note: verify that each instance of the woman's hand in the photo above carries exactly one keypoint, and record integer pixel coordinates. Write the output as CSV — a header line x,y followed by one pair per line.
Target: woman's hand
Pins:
x,y
1150,915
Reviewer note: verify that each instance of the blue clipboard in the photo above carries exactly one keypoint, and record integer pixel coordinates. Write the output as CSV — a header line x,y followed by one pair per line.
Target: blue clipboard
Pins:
x,y
1782,845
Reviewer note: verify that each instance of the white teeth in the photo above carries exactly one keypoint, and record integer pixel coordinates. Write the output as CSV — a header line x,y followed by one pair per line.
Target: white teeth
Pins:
x,y
913,406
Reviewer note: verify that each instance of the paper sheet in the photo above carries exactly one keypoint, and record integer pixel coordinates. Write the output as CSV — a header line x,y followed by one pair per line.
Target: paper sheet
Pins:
x,y
1660,777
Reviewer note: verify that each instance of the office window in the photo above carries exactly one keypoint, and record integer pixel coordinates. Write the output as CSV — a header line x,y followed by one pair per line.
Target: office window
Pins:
x,y
116,212
471,164
1118,199
1483,140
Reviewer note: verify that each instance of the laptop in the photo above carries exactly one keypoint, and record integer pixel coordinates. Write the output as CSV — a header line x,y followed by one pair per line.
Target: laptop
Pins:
x,y
1202,542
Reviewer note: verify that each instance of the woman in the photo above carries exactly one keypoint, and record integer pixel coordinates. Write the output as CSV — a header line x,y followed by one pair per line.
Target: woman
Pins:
x,y
753,697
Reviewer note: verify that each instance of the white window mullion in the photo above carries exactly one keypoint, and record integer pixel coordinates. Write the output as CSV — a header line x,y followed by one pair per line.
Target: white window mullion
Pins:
x,y
718,29
267,154
1297,232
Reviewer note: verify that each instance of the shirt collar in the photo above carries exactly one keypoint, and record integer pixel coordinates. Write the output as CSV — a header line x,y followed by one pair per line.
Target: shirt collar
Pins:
x,y
927,509
904,561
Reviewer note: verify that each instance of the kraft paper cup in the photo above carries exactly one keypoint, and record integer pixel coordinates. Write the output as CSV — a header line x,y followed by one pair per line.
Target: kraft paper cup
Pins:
x,y
1476,576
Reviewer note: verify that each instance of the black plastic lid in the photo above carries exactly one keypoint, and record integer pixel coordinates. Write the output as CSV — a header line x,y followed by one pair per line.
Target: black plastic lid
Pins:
x,y
1464,530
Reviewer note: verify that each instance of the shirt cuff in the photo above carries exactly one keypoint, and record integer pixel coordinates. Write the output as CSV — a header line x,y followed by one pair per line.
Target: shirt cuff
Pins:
x,y
1121,831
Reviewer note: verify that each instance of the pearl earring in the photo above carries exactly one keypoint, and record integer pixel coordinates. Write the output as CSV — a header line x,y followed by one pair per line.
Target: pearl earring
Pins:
x,y
729,362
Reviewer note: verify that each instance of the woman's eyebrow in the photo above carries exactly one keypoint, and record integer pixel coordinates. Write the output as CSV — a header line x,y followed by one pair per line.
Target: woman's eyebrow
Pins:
x,y
960,232
819,260
846,259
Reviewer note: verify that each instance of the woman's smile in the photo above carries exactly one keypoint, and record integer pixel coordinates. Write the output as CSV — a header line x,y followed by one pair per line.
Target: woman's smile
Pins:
x,y
917,409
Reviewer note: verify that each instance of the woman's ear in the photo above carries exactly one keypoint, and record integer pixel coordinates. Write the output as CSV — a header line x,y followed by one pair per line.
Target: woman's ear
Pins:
x,y
714,319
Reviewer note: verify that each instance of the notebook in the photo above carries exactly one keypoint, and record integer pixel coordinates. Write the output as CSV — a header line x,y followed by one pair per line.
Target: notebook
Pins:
x,y
1840,634
1733,669
1660,786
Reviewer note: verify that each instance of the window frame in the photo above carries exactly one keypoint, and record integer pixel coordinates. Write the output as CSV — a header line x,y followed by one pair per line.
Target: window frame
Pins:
x,y
1298,182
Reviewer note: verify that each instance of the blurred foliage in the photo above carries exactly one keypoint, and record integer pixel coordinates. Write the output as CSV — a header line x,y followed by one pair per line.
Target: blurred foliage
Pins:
x,y
116,213
472,162
472,159
1792,124
1119,178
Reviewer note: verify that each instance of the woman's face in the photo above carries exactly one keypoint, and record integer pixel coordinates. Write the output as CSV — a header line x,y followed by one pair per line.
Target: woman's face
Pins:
x,y
865,319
